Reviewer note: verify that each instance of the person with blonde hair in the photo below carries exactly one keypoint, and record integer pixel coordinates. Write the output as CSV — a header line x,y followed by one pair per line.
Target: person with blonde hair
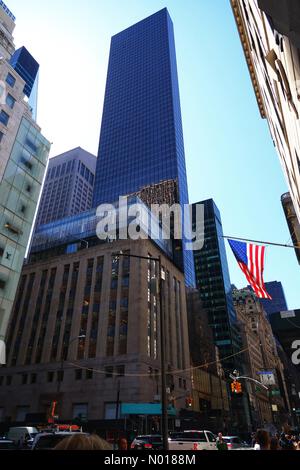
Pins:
x,y
81,441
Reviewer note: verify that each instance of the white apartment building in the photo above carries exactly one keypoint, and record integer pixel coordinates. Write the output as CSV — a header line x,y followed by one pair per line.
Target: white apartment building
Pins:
x,y
271,42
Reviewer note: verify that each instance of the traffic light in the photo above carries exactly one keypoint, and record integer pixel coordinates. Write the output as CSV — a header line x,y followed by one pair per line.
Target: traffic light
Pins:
x,y
236,387
188,402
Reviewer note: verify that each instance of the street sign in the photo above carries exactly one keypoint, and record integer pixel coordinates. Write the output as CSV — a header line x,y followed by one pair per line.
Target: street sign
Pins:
x,y
275,393
287,314
267,377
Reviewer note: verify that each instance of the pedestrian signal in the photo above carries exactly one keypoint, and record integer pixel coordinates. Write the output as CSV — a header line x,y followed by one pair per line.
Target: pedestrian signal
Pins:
x,y
236,387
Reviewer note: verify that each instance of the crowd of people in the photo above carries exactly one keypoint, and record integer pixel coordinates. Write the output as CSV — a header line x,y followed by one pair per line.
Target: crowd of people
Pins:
x,y
263,440
284,441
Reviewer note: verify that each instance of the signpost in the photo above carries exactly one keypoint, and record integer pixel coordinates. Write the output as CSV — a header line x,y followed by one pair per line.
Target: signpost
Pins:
x,y
267,377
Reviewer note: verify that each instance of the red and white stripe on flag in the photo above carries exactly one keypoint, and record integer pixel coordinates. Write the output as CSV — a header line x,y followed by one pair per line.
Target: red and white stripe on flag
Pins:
x,y
254,270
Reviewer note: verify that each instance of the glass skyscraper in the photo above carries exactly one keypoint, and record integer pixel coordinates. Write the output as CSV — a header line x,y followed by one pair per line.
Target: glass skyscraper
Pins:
x,y
141,140
213,282
28,69
278,302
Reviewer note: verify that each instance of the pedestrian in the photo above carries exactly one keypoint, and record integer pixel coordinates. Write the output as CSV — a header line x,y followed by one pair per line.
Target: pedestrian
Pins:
x,y
221,444
286,442
80,441
262,440
274,444
123,443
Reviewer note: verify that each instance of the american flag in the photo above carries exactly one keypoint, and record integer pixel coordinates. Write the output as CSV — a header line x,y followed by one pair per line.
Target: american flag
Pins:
x,y
250,259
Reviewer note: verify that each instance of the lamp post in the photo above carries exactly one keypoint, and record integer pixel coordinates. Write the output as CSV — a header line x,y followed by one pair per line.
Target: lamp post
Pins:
x,y
164,400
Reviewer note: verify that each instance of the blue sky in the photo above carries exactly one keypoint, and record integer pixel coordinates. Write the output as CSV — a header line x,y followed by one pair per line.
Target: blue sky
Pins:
x,y
229,152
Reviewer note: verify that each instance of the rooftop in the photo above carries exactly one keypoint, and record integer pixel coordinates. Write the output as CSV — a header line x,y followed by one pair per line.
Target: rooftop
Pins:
x,y
7,10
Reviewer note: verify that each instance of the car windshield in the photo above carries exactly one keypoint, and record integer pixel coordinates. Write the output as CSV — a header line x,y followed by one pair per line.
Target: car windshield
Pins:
x,y
233,440
48,442
189,436
151,439
211,437
154,439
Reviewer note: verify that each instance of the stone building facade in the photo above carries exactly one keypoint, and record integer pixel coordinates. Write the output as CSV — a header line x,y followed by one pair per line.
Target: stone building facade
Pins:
x,y
86,325
260,355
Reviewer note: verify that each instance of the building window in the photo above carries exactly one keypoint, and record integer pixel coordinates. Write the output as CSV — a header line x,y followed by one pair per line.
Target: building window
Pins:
x,y
120,371
47,307
96,307
70,309
24,379
110,339
89,374
60,375
22,412
109,372
78,374
10,101
110,411
4,117
26,161
80,411
85,307
24,310
8,379
10,79
33,378
50,376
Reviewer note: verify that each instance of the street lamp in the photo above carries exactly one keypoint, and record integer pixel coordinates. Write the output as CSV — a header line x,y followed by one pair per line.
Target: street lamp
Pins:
x,y
164,400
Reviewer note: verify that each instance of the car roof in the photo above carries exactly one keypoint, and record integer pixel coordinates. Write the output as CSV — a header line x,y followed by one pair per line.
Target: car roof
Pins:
x,y
148,435
60,433
196,430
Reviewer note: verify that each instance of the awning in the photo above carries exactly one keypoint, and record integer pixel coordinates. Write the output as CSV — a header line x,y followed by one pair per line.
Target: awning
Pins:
x,y
145,409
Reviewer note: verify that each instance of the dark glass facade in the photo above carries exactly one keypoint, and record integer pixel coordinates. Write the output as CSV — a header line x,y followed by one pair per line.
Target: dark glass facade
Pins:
x,y
213,282
278,302
141,139
285,326
26,66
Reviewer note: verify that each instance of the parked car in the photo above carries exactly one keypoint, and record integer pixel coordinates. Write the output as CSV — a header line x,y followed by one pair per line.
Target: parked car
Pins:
x,y
7,444
22,436
192,440
48,440
235,443
147,442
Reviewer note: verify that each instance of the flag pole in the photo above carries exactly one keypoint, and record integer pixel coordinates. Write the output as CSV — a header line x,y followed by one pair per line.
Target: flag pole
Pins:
x,y
295,247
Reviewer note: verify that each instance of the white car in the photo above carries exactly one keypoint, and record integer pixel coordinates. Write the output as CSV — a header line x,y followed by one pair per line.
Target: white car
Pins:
x,y
22,435
192,440
48,440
